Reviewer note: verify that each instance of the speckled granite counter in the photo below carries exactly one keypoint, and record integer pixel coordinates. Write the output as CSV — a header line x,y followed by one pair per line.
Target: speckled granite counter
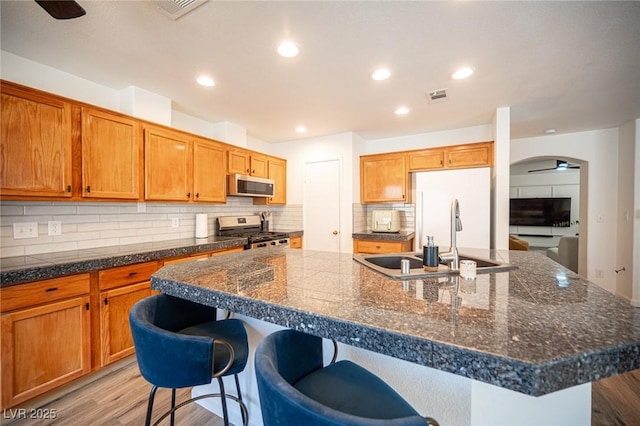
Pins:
x,y
384,236
15,270
535,330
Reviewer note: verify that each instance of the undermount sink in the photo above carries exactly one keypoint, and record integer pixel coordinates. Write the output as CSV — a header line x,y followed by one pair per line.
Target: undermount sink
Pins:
x,y
390,265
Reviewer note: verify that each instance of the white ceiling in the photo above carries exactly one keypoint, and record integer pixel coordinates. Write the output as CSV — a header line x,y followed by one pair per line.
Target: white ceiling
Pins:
x,y
570,65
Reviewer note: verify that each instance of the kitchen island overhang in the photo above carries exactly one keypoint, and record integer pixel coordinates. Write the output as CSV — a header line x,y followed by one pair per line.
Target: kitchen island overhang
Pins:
x,y
535,330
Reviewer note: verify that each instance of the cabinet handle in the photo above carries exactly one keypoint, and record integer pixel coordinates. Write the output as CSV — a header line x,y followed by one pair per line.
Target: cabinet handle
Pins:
x,y
86,306
131,274
188,195
253,171
68,188
88,188
106,301
51,289
197,195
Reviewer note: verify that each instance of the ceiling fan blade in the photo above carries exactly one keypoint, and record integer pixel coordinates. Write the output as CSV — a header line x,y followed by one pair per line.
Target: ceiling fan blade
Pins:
x,y
62,9
541,170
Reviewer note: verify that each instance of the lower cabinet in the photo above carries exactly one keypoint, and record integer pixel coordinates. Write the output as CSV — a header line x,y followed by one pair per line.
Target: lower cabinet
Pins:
x,y
295,242
44,345
376,246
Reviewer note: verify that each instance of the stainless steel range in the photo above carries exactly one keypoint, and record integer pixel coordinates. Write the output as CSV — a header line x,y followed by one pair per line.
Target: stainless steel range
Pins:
x,y
250,227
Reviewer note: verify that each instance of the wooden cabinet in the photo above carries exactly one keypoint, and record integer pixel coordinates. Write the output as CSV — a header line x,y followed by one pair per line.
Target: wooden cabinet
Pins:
x,y
46,336
277,170
167,165
246,162
111,155
427,159
179,167
380,246
36,144
295,242
472,155
452,157
120,289
209,172
384,178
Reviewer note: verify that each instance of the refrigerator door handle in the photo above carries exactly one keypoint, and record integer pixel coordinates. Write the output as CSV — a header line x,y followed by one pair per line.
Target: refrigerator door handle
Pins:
x,y
419,217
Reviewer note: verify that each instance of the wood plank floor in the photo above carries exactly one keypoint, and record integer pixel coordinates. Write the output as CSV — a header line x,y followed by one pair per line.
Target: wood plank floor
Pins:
x,y
120,398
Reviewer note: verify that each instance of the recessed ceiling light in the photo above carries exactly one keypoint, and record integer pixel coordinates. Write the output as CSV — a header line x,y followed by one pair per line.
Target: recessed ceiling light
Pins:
x,y
288,49
206,81
550,131
402,110
301,129
461,73
381,74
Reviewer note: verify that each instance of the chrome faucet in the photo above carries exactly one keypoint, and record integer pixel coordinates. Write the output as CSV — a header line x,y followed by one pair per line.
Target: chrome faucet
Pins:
x,y
456,225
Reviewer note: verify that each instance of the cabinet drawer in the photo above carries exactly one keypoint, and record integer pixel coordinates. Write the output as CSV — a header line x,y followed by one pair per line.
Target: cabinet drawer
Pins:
x,y
370,246
123,275
39,292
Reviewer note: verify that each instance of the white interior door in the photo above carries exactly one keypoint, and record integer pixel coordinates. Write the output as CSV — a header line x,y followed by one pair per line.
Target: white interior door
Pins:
x,y
321,205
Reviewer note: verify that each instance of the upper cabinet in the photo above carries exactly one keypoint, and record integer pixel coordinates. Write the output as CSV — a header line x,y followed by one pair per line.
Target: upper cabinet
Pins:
x,y
167,164
111,155
209,171
36,144
246,162
276,170
452,157
179,167
384,178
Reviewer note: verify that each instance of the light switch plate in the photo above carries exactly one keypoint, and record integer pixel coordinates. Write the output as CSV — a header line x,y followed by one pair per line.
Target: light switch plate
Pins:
x,y
25,230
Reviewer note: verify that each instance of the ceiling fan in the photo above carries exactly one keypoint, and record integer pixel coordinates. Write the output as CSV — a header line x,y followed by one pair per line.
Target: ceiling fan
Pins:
x,y
560,165
62,9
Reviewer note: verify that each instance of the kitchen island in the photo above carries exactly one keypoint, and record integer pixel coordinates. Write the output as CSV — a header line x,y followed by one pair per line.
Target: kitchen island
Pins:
x,y
530,339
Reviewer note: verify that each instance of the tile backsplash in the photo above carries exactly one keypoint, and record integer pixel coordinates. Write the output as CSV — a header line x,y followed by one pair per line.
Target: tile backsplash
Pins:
x,y
362,215
100,224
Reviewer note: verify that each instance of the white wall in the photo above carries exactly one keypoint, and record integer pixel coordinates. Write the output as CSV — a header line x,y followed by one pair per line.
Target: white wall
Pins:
x,y
599,148
625,219
500,179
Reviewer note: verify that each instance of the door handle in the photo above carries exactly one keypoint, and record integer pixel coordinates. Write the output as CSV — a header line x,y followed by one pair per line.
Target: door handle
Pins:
x,y
335,232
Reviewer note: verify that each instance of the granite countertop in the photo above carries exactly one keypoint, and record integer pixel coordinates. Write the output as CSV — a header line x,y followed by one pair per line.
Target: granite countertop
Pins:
x,y
384,236
16,270
535,329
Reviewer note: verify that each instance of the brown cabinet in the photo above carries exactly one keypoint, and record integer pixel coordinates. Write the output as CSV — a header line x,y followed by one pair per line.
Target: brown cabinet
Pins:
x,y
246,162
36,144
384,178
111,155
46,336
277,170
167,165
120,289
452,157
376,246
209,172
295,242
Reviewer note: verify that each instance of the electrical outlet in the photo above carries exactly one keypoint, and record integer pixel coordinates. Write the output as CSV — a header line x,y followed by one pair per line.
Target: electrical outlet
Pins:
x,y
55,227
175,222
25,230
599,273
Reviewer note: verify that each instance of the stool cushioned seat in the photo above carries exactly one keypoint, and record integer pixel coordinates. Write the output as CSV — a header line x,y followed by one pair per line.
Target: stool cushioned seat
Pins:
x,y
296,389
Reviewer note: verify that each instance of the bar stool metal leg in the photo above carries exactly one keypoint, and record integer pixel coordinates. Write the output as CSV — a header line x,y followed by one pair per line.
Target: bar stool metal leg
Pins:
x,y
239,396
225,414
173,406
152,395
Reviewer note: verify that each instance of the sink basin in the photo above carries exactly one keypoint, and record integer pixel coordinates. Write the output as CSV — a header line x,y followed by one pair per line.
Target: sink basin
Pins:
x,y
389,265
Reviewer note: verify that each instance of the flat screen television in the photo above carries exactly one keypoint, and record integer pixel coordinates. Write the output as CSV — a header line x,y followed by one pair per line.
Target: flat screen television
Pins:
x,y
540,212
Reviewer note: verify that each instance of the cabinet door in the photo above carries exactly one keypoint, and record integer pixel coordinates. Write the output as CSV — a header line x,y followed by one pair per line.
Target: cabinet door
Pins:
x,y
209,172
44,347
383,178
259,166
110,156
35,147
115,332
430,159
474,155
167,165
373,246
238,162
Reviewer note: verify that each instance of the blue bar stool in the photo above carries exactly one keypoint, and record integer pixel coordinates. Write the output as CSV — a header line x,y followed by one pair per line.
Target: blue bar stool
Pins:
x,y
180,344
295,388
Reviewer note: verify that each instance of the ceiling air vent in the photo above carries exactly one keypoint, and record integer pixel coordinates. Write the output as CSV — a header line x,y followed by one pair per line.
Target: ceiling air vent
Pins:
x,y
174,9
437,96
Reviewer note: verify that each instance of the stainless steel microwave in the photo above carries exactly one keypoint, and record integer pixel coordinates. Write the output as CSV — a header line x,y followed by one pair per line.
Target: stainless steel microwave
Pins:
x,y
250,186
